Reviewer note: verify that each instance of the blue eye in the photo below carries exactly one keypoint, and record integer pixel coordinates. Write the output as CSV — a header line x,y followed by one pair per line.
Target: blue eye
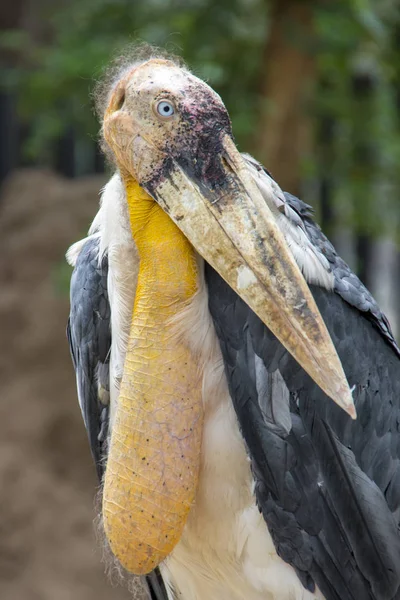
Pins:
x,y
165,108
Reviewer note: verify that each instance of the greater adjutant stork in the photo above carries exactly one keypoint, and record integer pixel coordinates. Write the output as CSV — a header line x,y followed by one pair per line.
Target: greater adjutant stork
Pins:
x,y
200,308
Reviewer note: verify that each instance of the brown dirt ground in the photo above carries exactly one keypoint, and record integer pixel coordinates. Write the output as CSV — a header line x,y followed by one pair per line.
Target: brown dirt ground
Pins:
x,y
47,542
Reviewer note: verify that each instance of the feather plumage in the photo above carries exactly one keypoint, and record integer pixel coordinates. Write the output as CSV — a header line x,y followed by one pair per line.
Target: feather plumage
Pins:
x,y
323,487
328,488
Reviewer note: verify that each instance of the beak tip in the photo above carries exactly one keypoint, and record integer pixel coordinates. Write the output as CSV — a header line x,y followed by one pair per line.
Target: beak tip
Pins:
x,y
352,412
347,402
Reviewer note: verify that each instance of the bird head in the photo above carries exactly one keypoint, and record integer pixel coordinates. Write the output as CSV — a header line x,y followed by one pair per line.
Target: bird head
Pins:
x,y
171,133
160,115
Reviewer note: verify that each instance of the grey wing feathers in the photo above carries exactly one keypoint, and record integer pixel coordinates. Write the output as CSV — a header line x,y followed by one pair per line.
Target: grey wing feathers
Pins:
x,y
328,487
313,252
346,284
89,338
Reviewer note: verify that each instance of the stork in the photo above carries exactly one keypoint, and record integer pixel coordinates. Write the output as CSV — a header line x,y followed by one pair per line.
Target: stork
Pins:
x,y
222,351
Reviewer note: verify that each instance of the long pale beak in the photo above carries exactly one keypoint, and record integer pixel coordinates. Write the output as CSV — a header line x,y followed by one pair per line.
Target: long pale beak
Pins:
x,y
230,225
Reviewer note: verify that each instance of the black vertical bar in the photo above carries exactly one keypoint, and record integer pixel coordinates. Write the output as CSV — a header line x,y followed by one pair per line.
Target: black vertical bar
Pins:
x,y
326,140
363,88
65,154
9,134
99,162
364,255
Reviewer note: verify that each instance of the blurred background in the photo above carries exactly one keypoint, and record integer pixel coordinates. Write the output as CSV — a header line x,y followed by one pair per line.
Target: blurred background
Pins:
x,y
313,88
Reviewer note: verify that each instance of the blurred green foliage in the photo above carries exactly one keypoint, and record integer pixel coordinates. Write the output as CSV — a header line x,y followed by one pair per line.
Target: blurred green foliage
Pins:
x,y
221,42
61,277
359,93
356,96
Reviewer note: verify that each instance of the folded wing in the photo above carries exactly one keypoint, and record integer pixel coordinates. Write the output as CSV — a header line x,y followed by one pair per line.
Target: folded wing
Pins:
x,y
328,487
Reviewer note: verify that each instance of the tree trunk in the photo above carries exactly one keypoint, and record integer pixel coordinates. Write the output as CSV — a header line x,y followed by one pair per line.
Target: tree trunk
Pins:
x,y
284,138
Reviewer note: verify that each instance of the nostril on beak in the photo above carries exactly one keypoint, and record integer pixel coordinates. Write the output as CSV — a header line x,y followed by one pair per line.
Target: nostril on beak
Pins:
x,y
120,98
117,99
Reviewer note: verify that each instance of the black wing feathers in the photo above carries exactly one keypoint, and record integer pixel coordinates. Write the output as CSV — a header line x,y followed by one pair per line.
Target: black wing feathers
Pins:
x,y
329,489
89,337
347,284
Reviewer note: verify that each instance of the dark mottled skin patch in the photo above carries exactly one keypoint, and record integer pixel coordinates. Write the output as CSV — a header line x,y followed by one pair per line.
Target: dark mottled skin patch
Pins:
x,y
197,145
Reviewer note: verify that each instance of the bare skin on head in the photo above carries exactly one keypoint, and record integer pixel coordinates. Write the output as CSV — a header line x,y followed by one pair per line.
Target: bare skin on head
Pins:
x,y
188,190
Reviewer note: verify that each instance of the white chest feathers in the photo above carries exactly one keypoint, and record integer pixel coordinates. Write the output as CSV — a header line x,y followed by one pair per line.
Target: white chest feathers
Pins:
x,y
226,551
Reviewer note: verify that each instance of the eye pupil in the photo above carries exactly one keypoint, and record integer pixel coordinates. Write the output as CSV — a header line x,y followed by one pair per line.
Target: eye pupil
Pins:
x,y
165,108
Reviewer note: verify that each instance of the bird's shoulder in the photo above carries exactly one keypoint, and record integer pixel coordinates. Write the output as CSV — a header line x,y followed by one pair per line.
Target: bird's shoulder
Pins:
x,y
346,283
315,254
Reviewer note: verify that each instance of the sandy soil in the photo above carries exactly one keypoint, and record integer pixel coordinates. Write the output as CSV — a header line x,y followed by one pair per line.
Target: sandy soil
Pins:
x,y
47,542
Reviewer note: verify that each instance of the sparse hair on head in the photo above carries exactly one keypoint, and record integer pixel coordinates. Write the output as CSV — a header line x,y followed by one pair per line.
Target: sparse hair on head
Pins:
x,y
132,56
